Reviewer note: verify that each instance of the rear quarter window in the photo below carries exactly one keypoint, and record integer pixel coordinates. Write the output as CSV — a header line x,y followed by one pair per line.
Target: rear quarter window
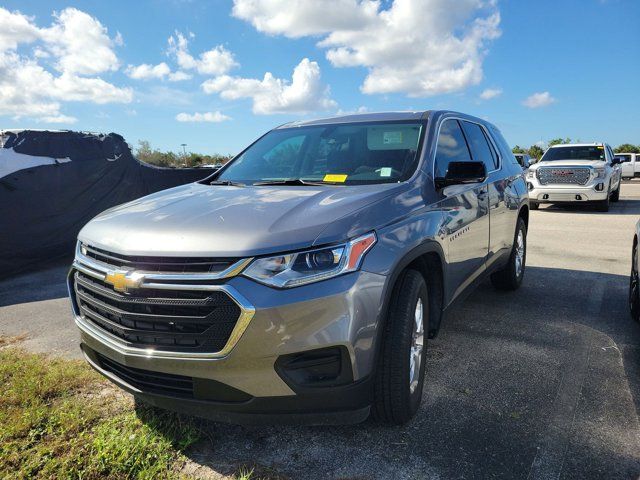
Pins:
x,y
481,151
503,146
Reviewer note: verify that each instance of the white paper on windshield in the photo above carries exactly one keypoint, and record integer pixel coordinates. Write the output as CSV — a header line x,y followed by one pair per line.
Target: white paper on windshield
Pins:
x,y
390,138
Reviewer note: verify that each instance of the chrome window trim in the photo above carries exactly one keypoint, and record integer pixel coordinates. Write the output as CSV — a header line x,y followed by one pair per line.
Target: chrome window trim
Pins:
x,y
99,271
487,134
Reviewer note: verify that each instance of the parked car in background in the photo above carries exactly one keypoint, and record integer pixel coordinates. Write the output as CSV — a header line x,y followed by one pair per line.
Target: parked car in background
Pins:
x,y
575,173
301,281
523,159
629,164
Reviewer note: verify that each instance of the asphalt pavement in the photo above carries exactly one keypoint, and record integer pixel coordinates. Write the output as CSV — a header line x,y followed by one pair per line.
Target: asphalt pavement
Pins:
x,y
541,383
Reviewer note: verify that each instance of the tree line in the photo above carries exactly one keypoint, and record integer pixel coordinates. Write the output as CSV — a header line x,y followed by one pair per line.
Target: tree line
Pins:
x,y
170,159
536,151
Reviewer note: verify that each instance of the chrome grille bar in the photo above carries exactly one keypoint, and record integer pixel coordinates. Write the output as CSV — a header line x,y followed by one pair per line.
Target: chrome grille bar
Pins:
x,y
564,175
164,315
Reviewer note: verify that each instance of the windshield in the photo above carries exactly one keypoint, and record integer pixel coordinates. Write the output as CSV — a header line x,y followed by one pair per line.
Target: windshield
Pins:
x,y
590,152
334,154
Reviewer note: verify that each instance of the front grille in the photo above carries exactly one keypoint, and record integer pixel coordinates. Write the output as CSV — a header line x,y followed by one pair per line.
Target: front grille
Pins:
x,y
159,264
163,320
563,176
148,381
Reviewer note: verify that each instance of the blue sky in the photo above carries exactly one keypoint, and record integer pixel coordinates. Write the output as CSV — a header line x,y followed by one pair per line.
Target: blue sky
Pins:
x,y
577,62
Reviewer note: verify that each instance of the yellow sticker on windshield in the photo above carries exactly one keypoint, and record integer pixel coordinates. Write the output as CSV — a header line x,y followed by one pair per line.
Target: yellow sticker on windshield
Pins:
x,y
335,177
600,147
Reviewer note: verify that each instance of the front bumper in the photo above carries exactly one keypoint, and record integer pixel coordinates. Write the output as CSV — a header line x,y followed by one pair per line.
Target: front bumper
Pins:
x,y
565,193
347,404
341,312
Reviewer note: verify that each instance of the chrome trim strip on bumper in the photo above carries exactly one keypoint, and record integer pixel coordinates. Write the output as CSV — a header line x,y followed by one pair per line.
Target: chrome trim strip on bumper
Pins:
x,y
99,271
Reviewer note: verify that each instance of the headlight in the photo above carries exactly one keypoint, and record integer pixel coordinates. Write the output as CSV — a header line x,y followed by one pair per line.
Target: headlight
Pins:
x,y
295,269
600,172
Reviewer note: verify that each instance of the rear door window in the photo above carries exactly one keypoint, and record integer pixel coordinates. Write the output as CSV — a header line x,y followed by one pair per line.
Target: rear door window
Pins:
x,y
480,149
451,147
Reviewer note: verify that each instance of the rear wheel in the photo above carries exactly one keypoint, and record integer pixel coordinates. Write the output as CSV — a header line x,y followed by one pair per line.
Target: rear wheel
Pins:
x,y
634,288
401,367
510,277
534,205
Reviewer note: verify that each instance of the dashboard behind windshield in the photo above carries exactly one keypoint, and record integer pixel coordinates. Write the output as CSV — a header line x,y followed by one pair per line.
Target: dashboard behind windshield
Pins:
x,y
362,153
591,152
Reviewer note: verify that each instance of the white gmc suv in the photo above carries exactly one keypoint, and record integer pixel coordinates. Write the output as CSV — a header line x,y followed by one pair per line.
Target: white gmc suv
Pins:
x,y
575,173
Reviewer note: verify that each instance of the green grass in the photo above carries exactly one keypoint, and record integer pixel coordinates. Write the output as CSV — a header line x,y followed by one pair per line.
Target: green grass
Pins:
x,y
59,419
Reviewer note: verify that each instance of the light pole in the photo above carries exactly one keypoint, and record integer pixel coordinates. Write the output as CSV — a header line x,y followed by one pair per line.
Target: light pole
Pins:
x,y
184,148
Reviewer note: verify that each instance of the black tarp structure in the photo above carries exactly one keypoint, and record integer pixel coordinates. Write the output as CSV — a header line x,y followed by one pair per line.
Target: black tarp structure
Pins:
x,y
43,208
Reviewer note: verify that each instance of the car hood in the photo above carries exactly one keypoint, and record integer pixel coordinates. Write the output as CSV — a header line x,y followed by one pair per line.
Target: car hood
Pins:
x,y
228,221
569,163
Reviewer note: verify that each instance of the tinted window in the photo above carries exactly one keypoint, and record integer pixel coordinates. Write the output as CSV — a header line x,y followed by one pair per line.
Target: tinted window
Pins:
x,y
503,146
480,149
452,147
589,152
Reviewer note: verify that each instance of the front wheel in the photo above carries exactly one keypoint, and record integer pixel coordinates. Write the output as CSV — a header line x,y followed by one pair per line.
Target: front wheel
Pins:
x,y
615,196
510,277
401,366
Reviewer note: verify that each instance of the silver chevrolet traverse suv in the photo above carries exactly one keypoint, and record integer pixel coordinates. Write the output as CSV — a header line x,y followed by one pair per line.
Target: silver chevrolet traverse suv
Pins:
x,y
301,281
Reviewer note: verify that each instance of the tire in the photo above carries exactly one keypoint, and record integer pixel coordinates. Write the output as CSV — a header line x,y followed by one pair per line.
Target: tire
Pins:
x,y
510,277
615,196
634,286
534,205
396,398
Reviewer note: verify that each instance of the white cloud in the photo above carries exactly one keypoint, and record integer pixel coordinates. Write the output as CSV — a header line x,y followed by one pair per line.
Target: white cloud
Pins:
x,y
305,93
146,71
490,93
215,117
81,44
69,87
416,47
537,100
216,61
299,18
79,48
179,76
16,28
361,109
58,119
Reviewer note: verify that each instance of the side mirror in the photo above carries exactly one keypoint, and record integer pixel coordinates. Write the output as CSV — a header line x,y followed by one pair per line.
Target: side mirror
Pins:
x,y
460,173
616,161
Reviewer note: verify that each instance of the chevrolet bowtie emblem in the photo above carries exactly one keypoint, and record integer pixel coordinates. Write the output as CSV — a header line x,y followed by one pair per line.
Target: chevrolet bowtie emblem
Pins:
x,y
122,281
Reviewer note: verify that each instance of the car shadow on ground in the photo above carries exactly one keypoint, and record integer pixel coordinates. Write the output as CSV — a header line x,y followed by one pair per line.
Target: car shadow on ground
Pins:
x,y
546,377
48,283
622,207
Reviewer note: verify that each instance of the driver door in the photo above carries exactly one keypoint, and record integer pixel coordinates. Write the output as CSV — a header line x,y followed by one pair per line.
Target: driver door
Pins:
x,y
465,211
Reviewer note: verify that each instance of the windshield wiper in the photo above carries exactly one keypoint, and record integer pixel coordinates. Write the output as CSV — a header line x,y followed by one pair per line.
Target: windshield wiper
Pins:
x,y
229,183
291,181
